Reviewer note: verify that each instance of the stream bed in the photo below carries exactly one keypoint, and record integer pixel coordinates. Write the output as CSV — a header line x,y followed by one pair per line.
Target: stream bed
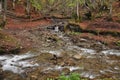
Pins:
x,y
55,54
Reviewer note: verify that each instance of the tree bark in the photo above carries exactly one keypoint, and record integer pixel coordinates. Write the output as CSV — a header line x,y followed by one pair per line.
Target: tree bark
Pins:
x,y
5,9
0,7
78,16
28,7
111,8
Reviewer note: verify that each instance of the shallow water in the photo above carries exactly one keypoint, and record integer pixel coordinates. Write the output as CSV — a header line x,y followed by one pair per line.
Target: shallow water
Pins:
x,y
94,64
111,52
17,63
71,68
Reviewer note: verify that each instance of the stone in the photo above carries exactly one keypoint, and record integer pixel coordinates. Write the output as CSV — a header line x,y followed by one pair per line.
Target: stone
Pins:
x,y
33,77
65,70
77,56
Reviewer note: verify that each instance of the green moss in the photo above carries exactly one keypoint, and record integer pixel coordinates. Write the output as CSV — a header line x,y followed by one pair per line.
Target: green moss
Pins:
x,y
7,38
118,43
72,76
50,79
74,33
107,79
2,24
1,51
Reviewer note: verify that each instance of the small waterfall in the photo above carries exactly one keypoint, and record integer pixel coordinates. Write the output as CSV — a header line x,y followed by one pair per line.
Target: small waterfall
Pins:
x,y
56,29
17,63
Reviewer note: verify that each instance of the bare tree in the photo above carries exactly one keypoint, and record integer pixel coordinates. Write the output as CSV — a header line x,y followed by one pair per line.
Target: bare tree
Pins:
x,y
5,9
27,7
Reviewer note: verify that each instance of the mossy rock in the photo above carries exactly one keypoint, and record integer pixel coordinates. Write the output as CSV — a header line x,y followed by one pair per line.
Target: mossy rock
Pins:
x,y
2,24
2,51
9,50
7,38
8,44
73,28
118,43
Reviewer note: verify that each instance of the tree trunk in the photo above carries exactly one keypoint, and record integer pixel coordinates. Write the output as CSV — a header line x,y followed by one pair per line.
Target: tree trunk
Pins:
x,y
5,9
13,4
78,16
110,13
0,7
28,7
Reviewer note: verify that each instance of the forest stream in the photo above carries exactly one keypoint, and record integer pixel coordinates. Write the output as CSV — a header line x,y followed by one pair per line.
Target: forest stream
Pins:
x,y
55,52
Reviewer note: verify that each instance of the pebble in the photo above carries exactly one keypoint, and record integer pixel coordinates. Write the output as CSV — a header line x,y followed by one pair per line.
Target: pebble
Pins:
x,y
77,56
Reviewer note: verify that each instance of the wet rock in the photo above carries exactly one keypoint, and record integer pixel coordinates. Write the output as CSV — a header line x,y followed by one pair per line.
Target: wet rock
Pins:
x,y
73,28
0,66
35,74
44,57
57,28
52,39
34,77
62,64
10,76
1,74
8,44
60,26
97,46
85,45
7,49
77,56
54,57
52,27
69,62
66,70
50,74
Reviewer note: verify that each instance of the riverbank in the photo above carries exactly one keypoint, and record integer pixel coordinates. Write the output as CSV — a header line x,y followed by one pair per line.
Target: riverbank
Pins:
x,y
107,32
53,53
50,51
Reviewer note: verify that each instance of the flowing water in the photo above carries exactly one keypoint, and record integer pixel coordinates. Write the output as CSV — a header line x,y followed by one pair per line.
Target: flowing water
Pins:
x,y
89,62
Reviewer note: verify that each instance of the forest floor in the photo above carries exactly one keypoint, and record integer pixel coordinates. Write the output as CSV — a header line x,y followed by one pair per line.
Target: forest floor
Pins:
x,y
21,35
105,31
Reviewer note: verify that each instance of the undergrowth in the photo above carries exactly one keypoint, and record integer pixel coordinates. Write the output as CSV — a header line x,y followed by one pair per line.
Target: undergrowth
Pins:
x,y
72,76
118,43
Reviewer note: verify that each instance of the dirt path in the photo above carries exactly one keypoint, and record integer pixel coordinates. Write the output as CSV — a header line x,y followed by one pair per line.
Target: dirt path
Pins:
x,y
18,24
